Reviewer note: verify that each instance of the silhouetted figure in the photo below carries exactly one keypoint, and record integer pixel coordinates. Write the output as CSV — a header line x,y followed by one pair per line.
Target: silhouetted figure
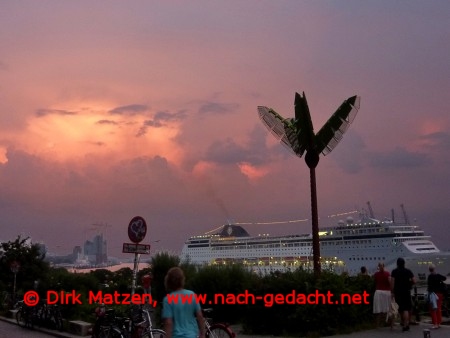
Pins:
x,y
363,271
402,280
436,290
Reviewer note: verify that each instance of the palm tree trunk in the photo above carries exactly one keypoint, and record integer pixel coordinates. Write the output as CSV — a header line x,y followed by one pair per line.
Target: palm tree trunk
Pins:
x,y
315,222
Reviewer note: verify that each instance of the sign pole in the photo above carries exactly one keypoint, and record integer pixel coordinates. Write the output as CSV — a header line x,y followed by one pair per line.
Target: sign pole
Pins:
x,y
133,283
15,266
137,229
14,288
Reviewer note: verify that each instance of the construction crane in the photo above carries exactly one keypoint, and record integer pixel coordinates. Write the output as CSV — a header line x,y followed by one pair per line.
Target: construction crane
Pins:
x,y
96,227
405,216
370,210
101,225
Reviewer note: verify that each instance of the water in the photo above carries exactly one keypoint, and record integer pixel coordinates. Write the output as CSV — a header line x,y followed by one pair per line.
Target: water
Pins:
x,y
112,268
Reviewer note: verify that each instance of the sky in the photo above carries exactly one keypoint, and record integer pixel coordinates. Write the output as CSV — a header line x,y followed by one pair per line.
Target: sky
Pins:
x,y
115,109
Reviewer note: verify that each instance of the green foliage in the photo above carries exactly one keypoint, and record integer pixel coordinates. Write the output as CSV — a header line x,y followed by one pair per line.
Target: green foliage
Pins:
x,y
31,260
161,263
257,316
221,281
308,319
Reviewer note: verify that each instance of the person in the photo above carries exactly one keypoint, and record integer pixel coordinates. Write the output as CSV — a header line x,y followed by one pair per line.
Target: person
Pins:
x,y
100,312
402,280
181,319
436,290
363,271
382,296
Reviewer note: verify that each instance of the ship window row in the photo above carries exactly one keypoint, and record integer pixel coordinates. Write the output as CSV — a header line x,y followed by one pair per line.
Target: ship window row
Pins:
x,y
340,242
262,246
199,241
410,234
367,258
288,245
362,231
400,239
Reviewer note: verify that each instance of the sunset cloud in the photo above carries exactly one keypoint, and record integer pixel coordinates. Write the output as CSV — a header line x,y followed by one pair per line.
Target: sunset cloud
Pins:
x,y
150,109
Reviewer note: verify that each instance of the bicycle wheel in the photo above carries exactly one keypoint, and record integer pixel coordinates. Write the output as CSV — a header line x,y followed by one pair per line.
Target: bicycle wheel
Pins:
x,y
24,318
21,318
154,333
111,332
219,331
54,318
57,321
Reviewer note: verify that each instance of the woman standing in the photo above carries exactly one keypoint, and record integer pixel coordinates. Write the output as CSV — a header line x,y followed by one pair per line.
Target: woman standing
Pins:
x,y
436,289
382,296
182,319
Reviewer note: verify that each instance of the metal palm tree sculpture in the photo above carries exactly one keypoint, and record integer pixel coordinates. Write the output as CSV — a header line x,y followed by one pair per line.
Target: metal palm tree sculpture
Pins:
x,y
297,134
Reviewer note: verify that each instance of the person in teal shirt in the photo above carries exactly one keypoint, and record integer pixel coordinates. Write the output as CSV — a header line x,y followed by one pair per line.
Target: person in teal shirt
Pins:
x,y
181,313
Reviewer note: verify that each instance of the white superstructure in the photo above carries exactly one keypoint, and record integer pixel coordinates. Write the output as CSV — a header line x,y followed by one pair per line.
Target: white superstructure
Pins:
x,y
344,248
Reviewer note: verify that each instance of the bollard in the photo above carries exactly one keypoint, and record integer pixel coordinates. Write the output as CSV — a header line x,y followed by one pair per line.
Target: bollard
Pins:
x,y
426,333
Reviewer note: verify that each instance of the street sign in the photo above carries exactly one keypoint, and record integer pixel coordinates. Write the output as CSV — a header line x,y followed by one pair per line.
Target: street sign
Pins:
x,y
137,229
136,248
15,267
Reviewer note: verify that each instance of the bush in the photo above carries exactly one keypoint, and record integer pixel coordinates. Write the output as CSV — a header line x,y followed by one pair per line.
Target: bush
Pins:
x,y
309,319
260,315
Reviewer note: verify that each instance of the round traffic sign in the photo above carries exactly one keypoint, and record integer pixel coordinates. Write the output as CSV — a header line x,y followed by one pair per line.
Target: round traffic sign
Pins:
x,y
137,229
15,266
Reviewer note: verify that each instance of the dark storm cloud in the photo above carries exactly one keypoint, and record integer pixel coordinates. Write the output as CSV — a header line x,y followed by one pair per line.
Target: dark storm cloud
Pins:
x,y
229,152
164,116
44,112
350,154
438,140
399,158
131,109
106,122
98,144
160,119
226,152
217,108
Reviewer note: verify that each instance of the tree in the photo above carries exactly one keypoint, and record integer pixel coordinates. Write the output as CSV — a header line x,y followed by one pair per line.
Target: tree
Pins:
x,y
29,259
161,263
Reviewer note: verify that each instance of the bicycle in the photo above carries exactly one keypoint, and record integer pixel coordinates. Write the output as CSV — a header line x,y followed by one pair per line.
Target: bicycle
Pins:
x,y
105,325
138,326
216,330
149,331
25,315
50,316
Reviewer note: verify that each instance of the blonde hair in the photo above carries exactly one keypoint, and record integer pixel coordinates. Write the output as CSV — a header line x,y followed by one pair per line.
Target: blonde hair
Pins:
x,y
174,279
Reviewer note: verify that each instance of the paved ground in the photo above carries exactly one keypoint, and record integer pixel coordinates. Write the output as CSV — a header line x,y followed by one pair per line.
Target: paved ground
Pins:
x,y
416,331
9,329
13,331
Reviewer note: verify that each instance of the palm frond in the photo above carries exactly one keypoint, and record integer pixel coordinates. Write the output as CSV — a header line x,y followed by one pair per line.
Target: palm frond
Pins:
x,y
332,131
283,129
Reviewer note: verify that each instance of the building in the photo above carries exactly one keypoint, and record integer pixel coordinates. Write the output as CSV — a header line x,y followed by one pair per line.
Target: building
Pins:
x,y
96,250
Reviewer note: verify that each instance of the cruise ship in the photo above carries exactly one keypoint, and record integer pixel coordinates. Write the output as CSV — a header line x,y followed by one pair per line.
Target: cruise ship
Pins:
x,y
344,248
